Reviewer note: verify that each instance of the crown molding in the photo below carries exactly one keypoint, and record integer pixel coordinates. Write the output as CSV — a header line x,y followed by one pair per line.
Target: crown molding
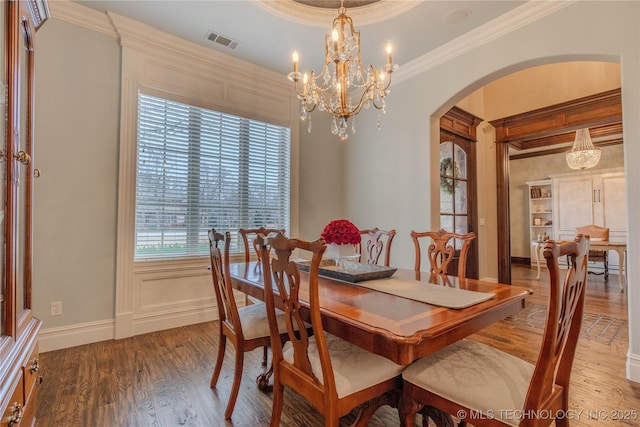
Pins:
x,y
144,38
322,17
517,18
74,13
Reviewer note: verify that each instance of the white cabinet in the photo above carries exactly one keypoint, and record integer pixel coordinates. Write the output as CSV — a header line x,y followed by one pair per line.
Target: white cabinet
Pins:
x,y
584,198
540,212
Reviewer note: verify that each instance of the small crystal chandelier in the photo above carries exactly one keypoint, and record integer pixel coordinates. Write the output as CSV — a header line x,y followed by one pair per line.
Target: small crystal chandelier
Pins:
x,y
584,154
344,86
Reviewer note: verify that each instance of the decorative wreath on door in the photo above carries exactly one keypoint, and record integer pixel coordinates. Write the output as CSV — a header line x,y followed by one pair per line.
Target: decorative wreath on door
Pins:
x,y
447,173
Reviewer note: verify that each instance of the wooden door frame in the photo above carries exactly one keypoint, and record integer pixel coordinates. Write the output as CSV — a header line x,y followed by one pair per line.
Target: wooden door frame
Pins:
x,y
542,129
460,124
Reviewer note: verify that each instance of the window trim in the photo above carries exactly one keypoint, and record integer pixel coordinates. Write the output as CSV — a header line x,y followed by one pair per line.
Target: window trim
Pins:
x,y
156,62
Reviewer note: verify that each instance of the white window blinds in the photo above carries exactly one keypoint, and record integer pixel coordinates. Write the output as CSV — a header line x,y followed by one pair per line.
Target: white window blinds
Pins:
x,y
198,169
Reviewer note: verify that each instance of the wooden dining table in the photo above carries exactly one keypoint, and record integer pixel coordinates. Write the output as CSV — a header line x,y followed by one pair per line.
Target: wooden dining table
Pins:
x,y
597,245
398,328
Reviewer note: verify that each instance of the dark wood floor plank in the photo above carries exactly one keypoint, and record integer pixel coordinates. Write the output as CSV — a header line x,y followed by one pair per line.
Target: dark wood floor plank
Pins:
x,y
162,378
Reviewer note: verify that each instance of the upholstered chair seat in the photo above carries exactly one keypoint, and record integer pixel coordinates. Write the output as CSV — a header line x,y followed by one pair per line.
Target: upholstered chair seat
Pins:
x,y
476,376
354,369
253,319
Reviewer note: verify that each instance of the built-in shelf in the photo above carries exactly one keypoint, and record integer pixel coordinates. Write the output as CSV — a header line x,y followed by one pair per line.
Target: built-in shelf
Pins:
x,y
540,212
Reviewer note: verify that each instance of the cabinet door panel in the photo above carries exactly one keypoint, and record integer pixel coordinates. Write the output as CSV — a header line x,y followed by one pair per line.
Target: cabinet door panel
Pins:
x,y
574,204
614,207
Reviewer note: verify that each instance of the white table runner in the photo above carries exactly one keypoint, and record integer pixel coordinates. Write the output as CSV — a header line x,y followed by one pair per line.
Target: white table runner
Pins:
x,y
429,293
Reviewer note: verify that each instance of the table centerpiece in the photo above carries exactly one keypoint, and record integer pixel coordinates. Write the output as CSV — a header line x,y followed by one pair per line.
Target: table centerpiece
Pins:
x,y
342,238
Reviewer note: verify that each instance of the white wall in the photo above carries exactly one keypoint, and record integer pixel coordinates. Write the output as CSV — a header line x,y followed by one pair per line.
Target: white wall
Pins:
x,y
77,126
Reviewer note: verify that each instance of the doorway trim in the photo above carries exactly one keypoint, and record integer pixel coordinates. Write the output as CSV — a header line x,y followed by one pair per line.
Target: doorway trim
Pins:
x,y
459,126
543,128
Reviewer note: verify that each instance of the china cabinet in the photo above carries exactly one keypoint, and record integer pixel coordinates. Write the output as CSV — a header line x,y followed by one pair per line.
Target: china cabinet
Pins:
x,y
19,367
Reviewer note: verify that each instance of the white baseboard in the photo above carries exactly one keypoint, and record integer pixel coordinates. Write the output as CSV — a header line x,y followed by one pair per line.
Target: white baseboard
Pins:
x,y
173,319
70,336
633,367
85,333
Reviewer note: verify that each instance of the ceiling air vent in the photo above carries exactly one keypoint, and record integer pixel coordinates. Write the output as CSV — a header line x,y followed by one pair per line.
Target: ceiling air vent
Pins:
x,y
221,40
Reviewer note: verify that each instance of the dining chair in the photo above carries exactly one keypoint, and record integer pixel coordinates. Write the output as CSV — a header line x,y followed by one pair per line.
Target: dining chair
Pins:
x,y
334,375
442,250
488,387
596,232
377,241
249,239
246,328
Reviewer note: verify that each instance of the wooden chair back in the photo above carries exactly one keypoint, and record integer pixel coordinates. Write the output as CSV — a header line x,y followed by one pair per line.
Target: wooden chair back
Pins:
x,y
226,303
549,385
249,239
363,380
595,232
376,242
235,322
442,250
286,276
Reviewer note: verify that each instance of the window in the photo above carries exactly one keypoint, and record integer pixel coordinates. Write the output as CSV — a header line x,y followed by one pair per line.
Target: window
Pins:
x,y
453,188
198,169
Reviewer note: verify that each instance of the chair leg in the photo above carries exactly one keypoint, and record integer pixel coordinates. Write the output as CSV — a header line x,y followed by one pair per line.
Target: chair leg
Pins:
x,y
439,417
367,409
263,379
606,267
276,411
331,418
235,387
264,356
407,409
222,345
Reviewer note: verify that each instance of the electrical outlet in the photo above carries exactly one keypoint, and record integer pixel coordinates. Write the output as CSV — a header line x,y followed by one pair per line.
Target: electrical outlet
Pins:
x,y
56,308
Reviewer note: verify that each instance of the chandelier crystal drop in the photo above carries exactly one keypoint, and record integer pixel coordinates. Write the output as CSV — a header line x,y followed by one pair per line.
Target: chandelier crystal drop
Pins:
x,y
584,154
344,86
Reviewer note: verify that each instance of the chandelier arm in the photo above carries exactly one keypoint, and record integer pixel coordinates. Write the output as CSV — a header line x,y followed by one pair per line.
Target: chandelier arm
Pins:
x,y
361,102
383,96
309,110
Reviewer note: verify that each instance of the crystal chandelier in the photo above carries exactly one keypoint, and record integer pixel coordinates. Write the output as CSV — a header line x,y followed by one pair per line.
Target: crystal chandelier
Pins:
x,y
344,86
584,154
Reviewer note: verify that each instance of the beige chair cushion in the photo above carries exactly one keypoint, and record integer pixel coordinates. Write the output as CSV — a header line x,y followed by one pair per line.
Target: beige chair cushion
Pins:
x,y
253,319
477,376
354,369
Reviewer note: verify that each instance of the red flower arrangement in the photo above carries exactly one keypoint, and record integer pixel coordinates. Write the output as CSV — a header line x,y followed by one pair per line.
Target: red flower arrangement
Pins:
x,y
341,232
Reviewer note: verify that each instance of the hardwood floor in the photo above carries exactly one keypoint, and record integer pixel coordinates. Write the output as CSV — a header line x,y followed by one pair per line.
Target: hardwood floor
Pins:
x,y
162,379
